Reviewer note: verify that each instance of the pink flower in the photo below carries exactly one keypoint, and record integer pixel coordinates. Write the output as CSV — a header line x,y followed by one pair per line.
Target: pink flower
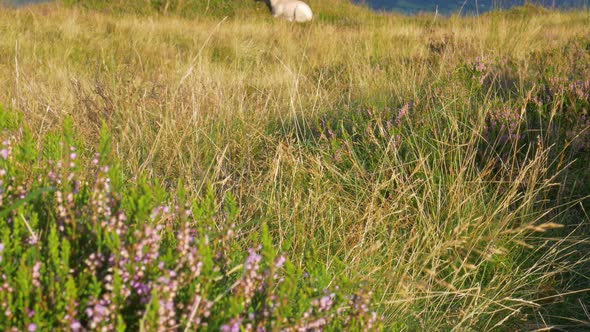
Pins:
x,y
403,112
75,326
280,261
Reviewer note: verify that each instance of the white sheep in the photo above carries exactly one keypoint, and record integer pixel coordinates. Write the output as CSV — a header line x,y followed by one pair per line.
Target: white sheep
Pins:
x,y
292,10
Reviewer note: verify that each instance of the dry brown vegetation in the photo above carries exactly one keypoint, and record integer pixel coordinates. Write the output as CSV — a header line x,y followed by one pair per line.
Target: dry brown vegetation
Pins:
x,y
302,124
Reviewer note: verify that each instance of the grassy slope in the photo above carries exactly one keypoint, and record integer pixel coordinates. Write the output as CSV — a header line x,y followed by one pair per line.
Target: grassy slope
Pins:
x,y
292,120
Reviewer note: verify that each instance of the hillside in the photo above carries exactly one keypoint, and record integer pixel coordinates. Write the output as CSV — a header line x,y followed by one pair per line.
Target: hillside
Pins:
x,y
436,169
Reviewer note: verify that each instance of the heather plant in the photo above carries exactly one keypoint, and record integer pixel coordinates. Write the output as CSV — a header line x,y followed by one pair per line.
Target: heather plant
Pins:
x,y
573,102
84,249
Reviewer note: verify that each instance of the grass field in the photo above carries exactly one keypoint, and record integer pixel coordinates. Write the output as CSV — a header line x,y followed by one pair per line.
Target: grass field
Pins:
x,y
434,168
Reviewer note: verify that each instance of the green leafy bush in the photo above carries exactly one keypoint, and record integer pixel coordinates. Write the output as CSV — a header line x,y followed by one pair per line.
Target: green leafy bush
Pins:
x,y
82,247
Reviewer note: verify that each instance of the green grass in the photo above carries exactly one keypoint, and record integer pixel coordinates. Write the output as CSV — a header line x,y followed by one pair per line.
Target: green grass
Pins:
x,y
465,211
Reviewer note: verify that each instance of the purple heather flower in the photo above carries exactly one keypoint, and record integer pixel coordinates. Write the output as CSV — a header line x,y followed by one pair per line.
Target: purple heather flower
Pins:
x,y
4,153
100,309
403,112
75,326
32,327
36,274
232,326
280,261
326,302
32,240
480,65
253,258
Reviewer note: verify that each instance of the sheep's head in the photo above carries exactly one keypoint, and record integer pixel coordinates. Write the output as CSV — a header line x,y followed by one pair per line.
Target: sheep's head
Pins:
x,y
266,2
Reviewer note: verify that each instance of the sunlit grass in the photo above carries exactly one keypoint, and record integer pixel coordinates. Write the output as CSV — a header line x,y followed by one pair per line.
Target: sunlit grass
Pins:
x,y
451,220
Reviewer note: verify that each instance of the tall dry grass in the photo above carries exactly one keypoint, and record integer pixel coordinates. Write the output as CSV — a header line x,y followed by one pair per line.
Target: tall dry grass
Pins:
x,y
302,124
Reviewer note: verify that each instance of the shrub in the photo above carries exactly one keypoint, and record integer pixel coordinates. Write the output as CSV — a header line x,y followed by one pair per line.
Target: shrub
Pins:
x,y
82,247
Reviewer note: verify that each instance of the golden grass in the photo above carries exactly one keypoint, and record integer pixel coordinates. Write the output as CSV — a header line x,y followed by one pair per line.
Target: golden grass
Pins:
x,y
232,104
